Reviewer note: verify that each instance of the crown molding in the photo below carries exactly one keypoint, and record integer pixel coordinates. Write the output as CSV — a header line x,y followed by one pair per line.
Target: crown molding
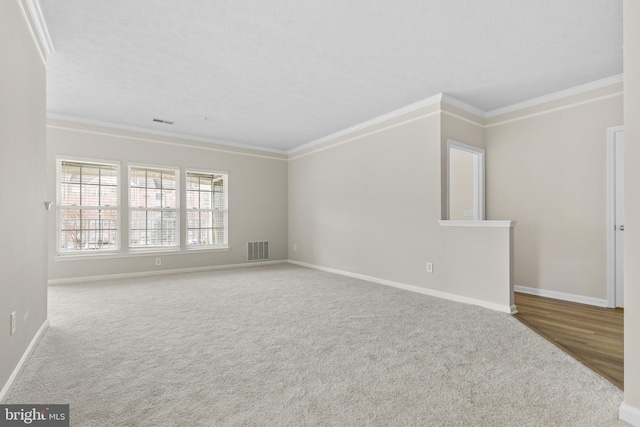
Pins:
x,y
371,122
40,26
80,120
554,109
366,133
439,98
454,102
576,90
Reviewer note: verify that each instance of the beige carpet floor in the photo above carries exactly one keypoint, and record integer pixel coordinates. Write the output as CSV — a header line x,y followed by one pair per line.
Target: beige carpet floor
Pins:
x,y
288,346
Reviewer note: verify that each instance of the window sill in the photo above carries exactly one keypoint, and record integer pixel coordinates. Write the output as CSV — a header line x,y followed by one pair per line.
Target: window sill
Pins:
x,y
138,252
206,248
495,224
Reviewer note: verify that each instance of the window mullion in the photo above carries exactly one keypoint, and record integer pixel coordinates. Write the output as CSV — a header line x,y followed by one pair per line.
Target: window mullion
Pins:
x,y
99,187
80,185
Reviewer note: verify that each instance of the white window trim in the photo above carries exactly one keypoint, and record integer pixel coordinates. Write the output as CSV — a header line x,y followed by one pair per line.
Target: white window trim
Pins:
x,y
123,250
178,210
226,220
82,254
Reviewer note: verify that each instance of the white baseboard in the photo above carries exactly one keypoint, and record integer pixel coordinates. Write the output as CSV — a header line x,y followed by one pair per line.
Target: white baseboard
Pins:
x,y
629,414
412,288
159,272
562,296
23,360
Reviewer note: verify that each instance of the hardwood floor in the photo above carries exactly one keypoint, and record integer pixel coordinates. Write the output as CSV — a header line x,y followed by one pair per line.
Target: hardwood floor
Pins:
x,y
593,335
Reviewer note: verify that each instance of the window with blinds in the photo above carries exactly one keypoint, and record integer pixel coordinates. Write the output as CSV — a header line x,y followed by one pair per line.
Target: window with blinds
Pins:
x,y
153,207
87,205
207,223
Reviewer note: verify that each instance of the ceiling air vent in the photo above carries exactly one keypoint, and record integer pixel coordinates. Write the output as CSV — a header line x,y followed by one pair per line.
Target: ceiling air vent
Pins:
x,y
166,122
258,251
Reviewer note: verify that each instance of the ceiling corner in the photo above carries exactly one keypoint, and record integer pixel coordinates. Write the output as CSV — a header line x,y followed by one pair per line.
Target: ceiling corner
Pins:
x,y
454,102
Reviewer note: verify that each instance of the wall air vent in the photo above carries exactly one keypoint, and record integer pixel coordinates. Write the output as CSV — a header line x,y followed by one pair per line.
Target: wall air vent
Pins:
x,y
166,122
258,251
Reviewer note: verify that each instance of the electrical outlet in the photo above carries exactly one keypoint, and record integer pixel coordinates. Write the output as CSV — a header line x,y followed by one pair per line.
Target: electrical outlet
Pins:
x,y
13,323
429,267
295,248
158,261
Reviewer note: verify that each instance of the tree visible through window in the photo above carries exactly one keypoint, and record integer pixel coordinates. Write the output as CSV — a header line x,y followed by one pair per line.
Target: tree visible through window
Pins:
x,y
87,206
206,209
153,207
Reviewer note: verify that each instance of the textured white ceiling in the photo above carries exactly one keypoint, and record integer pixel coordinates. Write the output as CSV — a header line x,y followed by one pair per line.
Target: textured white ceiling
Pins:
x,y
282,73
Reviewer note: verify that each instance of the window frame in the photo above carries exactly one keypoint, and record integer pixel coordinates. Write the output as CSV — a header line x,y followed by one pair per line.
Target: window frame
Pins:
x,y
154,248
118,207
225,210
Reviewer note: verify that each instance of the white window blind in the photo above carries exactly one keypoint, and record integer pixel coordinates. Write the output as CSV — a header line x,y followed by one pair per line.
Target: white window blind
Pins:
x,y
207,222
153,205
87,206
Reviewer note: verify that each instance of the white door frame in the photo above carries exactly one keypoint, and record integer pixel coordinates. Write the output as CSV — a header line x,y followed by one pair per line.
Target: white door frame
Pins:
x,y
478,177
611,217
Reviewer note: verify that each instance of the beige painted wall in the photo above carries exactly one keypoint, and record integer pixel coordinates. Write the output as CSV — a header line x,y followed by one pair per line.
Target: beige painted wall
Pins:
x,y
547,171
632,206
461,184
23,268
257,195
371,206
478,261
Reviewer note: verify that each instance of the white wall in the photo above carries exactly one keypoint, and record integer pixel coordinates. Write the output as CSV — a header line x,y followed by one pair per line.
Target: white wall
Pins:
x,y
257,196
23,267
546,169
631,408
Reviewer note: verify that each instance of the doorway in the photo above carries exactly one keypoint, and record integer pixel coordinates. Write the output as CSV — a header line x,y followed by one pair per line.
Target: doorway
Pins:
x,y
465,182
615,216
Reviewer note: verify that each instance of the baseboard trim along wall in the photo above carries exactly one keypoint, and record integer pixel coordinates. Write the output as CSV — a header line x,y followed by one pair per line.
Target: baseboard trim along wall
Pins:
x,y
412,288
7,387
70,280
598,302
629,414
